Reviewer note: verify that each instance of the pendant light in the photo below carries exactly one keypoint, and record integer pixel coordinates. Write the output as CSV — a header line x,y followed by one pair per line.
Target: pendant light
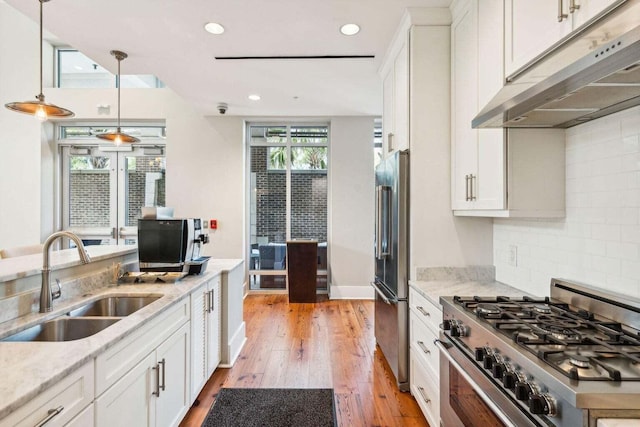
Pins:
x,y
118,137
39,108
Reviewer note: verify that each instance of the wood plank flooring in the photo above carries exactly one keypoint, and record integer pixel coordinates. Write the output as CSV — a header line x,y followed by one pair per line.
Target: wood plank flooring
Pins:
x,y
327,344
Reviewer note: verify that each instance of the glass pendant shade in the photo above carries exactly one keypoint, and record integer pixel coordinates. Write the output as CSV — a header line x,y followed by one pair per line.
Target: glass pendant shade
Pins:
x,y
39,107
118,137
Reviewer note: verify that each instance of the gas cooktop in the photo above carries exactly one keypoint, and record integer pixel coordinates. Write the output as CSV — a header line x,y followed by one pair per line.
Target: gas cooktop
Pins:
x,y
580,344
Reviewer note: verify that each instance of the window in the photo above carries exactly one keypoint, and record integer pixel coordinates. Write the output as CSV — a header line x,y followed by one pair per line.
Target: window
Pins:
x,y
77,71
288,167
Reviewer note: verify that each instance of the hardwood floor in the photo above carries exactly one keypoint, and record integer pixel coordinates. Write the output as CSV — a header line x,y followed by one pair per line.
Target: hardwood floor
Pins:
x,y
327,344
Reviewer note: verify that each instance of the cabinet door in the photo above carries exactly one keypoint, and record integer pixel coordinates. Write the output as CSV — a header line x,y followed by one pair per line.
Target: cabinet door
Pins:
x,y
489,184
199,321
129,401
400,138
67,398
587,9
531,27
464,105
172,366
213,327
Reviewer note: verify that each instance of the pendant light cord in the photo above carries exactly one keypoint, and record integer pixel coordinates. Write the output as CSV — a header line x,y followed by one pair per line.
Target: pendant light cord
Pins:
x,y
118,83
41,95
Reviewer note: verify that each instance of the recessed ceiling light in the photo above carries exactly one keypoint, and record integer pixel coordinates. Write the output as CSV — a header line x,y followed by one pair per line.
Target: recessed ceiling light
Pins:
x,y
254,97
214,28
350,29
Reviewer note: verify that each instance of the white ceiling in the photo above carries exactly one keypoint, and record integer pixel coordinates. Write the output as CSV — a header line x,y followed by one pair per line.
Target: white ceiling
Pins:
x,y
166,38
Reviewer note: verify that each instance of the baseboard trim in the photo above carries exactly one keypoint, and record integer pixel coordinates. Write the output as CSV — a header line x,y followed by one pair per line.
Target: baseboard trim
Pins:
x,y
234,348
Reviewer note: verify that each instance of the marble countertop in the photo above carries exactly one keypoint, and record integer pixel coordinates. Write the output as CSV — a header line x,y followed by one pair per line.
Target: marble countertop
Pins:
x,y
436,282
28,368
433,290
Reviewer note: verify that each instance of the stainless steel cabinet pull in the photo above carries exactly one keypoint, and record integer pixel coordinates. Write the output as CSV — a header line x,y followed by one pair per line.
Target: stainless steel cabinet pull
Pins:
x,y
157,369
423,394
573,6
390,141
423,311
207,301
424,347
472,195
51,413
466,188
164,383
561,15
211,300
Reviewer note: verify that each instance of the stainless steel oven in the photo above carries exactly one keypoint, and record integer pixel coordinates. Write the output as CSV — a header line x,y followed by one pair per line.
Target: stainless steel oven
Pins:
x,y
472,400
569,360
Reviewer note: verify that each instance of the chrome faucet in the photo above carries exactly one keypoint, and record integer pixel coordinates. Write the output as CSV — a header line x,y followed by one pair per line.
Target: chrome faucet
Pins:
x,y
46,296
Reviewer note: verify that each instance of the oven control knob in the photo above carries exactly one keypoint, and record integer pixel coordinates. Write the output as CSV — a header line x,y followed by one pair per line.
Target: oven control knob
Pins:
x,y
509,380
498,370
522,391
542,404
488,361
480,353
446,324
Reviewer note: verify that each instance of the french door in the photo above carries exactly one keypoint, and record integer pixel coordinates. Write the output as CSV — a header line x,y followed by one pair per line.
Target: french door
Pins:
x,y
104,189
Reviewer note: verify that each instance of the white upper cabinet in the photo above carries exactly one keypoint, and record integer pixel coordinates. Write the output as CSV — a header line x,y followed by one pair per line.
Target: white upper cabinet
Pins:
x,y
403,75
478,168
395,114
495,172
532,27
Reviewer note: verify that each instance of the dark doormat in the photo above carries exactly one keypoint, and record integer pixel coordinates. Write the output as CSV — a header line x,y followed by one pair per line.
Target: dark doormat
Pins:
x,y
272,407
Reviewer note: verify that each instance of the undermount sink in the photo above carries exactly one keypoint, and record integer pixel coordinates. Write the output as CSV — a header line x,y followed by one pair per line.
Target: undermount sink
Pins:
x,y
63,329
85,321
113,306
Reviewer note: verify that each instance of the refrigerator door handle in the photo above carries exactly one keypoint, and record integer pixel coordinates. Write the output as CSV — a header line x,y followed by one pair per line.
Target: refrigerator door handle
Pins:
x,y
383,226
382,295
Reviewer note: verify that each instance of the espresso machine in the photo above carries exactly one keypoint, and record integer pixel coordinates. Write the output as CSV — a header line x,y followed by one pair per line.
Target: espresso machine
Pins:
x,y
172,245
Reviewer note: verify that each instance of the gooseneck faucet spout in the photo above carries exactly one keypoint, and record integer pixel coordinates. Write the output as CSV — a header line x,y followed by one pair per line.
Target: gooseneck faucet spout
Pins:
x,y
46,296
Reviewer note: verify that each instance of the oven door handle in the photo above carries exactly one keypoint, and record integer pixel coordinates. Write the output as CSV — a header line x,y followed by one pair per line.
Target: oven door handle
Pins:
x,y
444,351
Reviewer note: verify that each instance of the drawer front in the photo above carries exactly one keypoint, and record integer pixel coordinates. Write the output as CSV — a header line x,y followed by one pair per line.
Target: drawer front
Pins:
x,y
430,314
426,390
118,360
66,399
422,344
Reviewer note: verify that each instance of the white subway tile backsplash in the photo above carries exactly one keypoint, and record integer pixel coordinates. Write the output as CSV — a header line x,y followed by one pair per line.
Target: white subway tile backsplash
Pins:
x,y
599,240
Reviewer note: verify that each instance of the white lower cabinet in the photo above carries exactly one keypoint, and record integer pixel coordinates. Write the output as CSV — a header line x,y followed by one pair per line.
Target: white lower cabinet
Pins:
x,y
424,318
205,334
58,405
155,391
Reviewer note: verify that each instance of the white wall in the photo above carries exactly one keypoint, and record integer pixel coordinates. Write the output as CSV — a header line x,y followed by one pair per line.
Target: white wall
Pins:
x,y
20,135
598,242
351,207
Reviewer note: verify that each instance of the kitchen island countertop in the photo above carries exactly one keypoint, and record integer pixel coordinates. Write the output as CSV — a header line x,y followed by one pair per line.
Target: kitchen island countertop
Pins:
x,y
29,368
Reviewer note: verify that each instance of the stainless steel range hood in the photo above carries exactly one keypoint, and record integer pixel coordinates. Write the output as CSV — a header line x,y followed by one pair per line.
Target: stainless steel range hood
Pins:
x,y
584,79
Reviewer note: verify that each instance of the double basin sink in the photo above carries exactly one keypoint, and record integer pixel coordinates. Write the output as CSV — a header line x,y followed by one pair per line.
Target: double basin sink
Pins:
x,y
84,321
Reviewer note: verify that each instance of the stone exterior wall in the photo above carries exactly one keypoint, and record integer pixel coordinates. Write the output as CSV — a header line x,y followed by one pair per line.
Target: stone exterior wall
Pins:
x,y
89,204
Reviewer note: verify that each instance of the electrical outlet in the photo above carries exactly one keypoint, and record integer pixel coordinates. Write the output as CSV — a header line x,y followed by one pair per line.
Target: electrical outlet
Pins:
x,y
513,255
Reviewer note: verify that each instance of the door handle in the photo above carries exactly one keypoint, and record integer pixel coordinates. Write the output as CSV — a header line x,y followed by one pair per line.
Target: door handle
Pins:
x,y
211,301
573,6
390,141
561,15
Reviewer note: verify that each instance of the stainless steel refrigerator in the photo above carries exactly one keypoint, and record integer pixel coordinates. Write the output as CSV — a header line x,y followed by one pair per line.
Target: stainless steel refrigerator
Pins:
x,y
392,264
